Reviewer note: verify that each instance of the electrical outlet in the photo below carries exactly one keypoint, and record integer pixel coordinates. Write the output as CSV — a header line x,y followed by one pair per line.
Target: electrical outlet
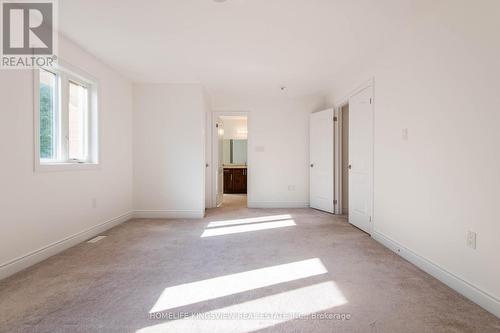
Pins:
x,y
471,239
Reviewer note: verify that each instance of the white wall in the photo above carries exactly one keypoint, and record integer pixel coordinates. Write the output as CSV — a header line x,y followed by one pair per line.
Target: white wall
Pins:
x,y
43,208
279,126
440,82
169,150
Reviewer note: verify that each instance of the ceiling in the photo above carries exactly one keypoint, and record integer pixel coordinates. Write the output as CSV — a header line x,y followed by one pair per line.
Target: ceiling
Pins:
x,y
251,46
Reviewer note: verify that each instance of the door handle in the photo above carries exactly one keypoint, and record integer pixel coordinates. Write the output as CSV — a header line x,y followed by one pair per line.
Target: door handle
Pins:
x,y
349,167
312,165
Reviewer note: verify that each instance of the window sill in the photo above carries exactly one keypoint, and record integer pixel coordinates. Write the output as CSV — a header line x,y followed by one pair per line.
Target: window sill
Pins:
x,y
51,167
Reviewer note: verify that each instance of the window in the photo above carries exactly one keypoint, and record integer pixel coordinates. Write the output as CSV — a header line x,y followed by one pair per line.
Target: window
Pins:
x,y
78,115
66,120
48,130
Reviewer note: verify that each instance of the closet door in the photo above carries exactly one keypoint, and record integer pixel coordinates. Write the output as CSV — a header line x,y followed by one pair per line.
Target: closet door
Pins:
x,y
321,160
360,158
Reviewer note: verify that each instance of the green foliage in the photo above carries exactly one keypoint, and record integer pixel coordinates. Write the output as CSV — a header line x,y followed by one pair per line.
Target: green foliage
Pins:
x,y
46,121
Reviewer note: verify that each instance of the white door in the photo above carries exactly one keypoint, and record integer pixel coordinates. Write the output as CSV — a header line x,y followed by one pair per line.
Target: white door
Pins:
x,y
219,185
208,163
321,160
360,159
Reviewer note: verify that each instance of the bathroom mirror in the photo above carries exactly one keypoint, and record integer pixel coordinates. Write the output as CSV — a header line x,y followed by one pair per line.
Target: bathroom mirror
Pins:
x,y
235,152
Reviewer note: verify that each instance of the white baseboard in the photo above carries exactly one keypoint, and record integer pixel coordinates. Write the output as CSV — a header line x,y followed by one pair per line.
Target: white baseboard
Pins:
x,y
169,214
277,204
32,258
478,296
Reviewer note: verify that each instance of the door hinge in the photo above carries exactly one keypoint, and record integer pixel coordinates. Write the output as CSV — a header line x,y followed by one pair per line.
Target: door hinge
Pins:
x,y
335,118
370,101
335,202
370,218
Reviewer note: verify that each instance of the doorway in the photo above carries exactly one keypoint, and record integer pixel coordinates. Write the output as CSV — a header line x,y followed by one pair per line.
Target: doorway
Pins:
x,y
230,159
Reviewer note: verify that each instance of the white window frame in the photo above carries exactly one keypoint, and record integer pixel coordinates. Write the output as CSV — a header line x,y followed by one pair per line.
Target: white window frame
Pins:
x,y
66,74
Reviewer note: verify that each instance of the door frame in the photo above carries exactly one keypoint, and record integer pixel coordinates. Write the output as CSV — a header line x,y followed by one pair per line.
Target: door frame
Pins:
x,y
338,149
214,158
337,156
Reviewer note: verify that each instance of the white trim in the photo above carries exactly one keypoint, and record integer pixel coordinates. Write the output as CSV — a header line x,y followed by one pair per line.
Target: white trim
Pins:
x,y
54,167
467,289
278,204
169,214
11,267
208,159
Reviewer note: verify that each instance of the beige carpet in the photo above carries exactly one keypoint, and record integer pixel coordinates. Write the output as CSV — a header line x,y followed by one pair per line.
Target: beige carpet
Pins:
x,y
250,270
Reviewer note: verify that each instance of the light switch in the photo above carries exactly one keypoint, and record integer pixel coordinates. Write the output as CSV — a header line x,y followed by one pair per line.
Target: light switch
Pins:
x,y
471,239
405,134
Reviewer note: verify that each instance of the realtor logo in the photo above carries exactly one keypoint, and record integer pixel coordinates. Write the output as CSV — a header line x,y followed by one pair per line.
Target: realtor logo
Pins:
x,y
28,33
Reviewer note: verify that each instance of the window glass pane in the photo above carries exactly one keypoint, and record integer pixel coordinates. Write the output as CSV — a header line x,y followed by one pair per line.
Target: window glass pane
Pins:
x,y
48,84
77,129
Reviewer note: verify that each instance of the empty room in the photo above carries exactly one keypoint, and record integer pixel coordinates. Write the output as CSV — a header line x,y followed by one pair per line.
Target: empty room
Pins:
x,y
249,166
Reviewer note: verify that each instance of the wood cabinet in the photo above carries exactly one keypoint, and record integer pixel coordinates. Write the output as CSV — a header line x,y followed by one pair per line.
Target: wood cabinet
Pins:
x,y
235,180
